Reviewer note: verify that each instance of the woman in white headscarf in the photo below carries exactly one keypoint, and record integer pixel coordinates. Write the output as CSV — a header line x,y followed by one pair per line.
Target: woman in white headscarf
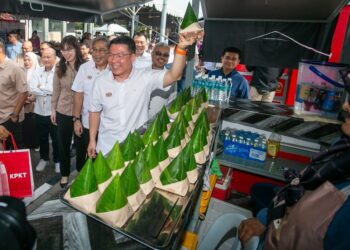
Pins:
x,y
30,138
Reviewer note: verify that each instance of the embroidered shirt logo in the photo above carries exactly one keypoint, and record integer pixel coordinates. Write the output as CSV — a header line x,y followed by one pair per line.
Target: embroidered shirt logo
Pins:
x,y
108,94
89,77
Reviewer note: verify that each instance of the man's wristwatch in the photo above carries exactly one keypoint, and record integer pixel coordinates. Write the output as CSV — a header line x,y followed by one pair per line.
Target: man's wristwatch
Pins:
x,y
76,118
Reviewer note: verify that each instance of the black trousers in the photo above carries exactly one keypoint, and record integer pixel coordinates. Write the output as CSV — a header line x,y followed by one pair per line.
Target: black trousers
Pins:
x,y
16,130
46,128
30,134
64,132
81,148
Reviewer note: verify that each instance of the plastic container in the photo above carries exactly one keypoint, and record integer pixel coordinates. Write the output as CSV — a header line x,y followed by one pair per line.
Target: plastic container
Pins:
x,y
319,88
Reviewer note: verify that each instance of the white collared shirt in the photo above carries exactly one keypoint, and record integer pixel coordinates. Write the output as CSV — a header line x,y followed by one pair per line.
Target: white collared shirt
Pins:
x,y
41,86
123,105
144,61
161,97
83,83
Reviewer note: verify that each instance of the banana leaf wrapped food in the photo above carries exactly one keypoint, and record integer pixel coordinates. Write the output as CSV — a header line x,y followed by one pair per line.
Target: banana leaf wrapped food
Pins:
x,y
162,153
174,177
151,157
139,145
153,132
115,160
102,172
132,188
113,206
190,163
199,140
128,149
83,193
143,173
164,120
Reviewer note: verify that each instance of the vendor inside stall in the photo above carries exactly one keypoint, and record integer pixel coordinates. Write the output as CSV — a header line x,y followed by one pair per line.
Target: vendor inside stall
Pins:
x,y
292,212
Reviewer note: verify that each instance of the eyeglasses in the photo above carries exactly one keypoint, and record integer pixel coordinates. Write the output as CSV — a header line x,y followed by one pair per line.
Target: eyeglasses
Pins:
x,y
100,51
119,55
66,50
157,53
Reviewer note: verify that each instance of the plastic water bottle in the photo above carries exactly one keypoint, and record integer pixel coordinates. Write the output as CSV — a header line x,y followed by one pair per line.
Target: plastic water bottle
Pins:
x,y
228,89
222,91
195,85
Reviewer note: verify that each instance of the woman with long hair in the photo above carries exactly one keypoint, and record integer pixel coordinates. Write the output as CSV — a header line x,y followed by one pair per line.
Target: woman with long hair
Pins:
x,y
30,136
62,101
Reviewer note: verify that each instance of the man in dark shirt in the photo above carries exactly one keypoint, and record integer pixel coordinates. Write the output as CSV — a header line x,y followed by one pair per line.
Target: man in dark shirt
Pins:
x,y
230,59
264,83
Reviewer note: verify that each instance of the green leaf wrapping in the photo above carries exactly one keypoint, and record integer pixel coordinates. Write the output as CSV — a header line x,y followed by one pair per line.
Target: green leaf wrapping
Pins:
x,y
138,141
128,148
187,95
174,138
203,121
151,156
161,150
142,169
102,171
204,95
179,125
188,157
199,99
153,132
176,104
190,109
85,183
189,17
174,172
163,119
113,198
199,139
115,159
129,181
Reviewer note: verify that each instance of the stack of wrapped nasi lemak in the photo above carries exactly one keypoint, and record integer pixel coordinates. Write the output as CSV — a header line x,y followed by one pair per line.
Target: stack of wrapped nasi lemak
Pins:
x,y
115,160
181,171
178,136
84,193
179,102
201,138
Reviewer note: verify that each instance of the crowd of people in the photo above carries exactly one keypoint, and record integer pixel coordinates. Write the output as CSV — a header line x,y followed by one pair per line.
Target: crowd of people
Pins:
x,y
69,94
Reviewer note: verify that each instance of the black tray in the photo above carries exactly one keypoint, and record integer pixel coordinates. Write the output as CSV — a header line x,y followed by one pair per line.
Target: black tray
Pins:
x,y
159,219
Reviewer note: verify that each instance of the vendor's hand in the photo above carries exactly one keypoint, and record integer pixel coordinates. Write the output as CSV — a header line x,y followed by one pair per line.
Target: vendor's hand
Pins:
x,y
78,128
186,39
91,150
4,133
249,228
53,118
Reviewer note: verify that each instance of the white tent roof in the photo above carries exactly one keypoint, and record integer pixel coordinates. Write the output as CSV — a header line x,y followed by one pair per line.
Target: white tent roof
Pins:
x,y
111,29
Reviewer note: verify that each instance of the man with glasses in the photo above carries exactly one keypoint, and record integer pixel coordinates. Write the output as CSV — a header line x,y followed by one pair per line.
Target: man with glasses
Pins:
x,y
82,87
159,98
230,59
120,98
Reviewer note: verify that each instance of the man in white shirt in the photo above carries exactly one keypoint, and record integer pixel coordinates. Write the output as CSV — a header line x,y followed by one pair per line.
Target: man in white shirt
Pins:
x,y
82,87
41,87
120,98
143,58
159,97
